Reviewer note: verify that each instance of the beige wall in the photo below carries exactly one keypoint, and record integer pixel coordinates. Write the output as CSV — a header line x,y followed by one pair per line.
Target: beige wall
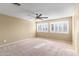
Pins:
x,y
13,29
75,29
58,36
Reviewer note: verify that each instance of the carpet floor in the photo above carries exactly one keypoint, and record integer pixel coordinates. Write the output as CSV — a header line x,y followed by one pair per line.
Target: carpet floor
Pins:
x,y
37,47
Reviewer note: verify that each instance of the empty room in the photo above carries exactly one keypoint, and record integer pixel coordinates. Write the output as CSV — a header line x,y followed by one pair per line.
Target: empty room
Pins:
x,y
39,29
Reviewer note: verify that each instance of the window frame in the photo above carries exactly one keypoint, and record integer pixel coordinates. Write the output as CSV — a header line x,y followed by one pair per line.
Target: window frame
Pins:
x,y
42,24
59,22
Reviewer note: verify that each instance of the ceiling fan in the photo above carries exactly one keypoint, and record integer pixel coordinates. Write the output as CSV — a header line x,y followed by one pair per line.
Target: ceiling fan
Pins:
x,y
17,4
37,15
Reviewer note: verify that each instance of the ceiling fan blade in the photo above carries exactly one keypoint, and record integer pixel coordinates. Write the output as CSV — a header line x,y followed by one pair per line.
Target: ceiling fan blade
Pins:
x,y
43,17
17,4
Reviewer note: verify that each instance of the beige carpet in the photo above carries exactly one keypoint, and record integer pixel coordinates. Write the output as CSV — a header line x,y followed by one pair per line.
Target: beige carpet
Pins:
x,y
37,47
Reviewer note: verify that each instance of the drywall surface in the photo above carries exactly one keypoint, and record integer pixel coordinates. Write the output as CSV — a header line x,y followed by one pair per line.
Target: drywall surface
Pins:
x,y
58,36
13,29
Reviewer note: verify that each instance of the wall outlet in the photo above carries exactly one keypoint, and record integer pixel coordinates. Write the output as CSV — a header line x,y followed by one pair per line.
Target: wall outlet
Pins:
x,y
4,41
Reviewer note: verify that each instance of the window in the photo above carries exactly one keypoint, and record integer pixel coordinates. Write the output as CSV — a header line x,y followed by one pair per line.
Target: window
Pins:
x,y
42,27
59,27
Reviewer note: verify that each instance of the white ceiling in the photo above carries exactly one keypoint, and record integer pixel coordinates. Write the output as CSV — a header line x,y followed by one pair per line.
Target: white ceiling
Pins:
x,y
28,10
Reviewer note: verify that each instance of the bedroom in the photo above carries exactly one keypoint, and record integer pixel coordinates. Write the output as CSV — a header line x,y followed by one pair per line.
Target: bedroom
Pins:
x,y
39,29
